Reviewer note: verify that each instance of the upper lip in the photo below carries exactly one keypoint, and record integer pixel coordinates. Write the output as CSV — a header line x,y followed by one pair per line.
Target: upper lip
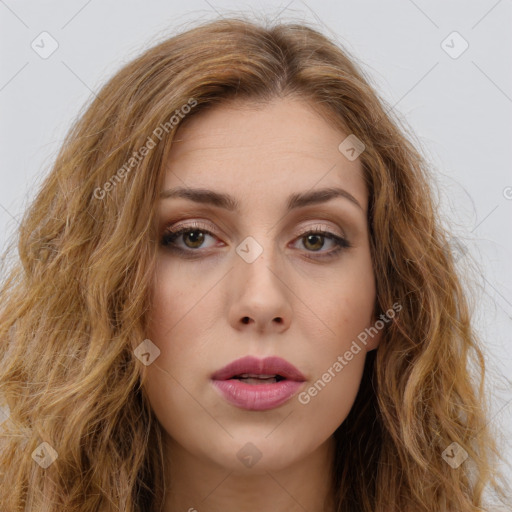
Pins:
x,y
254,366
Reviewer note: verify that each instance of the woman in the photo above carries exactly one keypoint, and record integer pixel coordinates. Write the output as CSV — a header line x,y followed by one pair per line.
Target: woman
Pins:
x,y
233,291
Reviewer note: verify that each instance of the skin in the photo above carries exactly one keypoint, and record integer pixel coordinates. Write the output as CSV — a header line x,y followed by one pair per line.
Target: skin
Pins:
x,y
302,308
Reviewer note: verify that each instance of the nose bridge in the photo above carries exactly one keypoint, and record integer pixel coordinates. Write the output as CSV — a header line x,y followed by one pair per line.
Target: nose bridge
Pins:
x,y
260,254
259,271
256,255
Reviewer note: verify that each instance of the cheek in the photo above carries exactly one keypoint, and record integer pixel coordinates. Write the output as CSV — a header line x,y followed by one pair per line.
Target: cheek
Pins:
x,y
177,323
182,417
180,312
327,400
343,303
169,381
335,386
345,308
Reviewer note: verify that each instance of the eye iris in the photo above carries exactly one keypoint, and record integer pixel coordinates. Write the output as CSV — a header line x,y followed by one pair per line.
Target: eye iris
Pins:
x,y
196,240
318,238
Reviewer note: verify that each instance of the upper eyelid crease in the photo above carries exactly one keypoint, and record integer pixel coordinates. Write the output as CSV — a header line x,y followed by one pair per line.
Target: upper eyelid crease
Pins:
x,y
228,202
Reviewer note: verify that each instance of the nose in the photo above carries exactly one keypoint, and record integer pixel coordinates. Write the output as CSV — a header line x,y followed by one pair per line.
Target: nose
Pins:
x,y
260,298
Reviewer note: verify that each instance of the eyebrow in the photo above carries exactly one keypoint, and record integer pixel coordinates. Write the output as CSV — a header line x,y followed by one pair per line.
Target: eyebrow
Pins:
x,y
228,202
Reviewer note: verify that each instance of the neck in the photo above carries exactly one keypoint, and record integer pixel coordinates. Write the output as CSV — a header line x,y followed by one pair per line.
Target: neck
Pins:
x,y
199,484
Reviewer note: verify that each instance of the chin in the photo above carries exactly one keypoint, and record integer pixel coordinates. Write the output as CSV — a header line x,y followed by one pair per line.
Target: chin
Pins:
x,y
259,450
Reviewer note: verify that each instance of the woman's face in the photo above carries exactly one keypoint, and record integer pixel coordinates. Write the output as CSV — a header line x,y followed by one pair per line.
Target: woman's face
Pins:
x,y
246,280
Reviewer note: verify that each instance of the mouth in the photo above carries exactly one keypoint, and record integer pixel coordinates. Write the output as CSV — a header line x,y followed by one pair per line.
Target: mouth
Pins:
x,y
254,378
258,384
253,369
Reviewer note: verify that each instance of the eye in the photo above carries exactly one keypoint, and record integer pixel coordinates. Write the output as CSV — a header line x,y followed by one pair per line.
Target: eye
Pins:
x,y
314,240
192,236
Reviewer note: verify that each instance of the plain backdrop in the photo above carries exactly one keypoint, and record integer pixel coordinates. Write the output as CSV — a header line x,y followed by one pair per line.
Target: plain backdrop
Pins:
x,y
444,67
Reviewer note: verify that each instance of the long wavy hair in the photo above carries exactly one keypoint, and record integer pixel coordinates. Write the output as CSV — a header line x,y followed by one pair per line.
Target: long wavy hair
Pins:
x,y
74,303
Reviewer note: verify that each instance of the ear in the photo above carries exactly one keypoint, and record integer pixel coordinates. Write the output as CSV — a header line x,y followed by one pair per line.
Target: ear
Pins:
x,y
373,341
380,323
376,330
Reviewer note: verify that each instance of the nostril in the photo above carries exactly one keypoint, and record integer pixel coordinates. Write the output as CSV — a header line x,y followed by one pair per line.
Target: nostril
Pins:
x,y
245,319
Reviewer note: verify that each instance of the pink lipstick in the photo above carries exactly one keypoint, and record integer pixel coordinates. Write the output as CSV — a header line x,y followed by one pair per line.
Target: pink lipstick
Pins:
x,y
258,384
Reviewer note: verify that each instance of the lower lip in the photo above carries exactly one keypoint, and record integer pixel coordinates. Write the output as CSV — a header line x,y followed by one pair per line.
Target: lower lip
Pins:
x,y
257,397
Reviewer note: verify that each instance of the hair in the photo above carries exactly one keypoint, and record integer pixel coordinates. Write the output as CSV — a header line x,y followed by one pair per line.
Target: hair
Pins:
x,y
74,304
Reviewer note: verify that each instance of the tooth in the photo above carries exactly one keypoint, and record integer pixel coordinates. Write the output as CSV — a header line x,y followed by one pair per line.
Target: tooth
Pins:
x,y
256,381
255,376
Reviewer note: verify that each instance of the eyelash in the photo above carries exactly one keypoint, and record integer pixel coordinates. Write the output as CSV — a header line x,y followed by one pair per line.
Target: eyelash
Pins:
x,y
169,238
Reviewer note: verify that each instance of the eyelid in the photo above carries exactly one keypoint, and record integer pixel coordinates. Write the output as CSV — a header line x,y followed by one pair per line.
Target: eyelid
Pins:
x,y
323,228
209,227
192,224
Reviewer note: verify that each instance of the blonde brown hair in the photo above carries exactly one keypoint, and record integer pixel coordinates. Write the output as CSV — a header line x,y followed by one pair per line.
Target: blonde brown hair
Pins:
x,y
74,306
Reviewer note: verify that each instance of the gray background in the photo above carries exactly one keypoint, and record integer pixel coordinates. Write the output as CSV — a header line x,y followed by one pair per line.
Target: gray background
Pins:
x,y
459,110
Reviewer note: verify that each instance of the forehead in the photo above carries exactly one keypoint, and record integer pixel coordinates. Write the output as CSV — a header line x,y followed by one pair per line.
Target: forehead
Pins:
x,y
280,146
